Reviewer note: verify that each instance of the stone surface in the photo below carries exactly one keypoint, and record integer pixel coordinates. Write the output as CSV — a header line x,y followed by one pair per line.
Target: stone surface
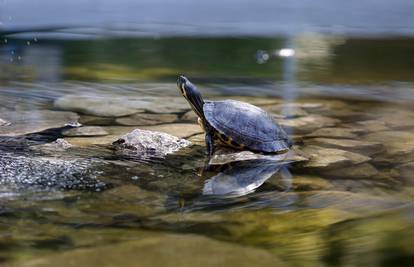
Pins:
x,y
57,145
49,172
182,130
399,146
362,147
406,171
306,124
95,120
4,122
336,133
140,119
85,131
149,143
227,155
25,122
286,110
326,158
162,250
190,116
370,126
361,171
117,106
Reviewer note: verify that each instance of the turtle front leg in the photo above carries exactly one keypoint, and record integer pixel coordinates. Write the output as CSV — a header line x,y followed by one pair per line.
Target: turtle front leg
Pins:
x,y
210,143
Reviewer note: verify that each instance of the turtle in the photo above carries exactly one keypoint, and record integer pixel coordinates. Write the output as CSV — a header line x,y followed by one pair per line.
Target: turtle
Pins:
x,y
235,124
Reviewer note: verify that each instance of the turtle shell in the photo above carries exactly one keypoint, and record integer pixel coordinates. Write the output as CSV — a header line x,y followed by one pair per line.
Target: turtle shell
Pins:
x,y
246,125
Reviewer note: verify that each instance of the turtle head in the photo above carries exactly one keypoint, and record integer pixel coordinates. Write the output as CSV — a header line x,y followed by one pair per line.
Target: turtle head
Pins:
x,y
191,93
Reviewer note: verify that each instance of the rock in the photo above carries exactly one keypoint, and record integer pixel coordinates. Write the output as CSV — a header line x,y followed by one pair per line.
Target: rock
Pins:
x,y
406,171
399,146
57,145
306,124
157,250
182,130
362,147
329,158
4,122
190,116
117,106
308,183
361,171
198,139
115,132
49,172
370,126
227,155
397,119
287,110
336,133
140,119
85,131
25,122
94,120
149,143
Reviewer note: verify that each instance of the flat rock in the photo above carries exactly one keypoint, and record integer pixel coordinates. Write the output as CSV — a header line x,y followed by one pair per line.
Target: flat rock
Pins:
x,y
117,106
361,171
161,250
362,147
326,158
140,119
59,144
397,119
306,124
4,122
149,143
182,130
85,131
95,120
399,145
190,116
287,110
227,155
25,122
370,126
336,133
49,172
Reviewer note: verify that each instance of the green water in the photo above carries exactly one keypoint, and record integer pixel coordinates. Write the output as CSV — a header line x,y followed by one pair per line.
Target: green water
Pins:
x,y
360,214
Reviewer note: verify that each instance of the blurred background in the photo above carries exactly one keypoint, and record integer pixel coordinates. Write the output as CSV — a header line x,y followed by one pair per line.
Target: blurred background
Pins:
x,y
335,42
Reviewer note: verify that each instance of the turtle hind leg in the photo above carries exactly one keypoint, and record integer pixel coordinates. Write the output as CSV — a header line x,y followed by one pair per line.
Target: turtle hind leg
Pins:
x,y
210,143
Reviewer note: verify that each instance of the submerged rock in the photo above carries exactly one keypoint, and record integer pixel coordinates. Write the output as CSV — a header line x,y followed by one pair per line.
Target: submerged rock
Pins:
x,y
118,106
336,133
149,143
22,171
140,119
362,147
406,171
57,145
85,131
306,124
4,122
25,122
287,110
156,249
361,171
370,126
325,158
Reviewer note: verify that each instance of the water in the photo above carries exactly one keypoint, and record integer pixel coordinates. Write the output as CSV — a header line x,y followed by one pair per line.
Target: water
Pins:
x,y
345,98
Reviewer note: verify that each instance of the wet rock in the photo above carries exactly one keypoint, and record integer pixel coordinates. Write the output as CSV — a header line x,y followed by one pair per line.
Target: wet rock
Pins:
x,y
140,119
406,171
149,143
119,106
227,155
4,122
399,146
85,131
24,122
336,133
361,171
57,145
328,158
370,126
362,147
114,133
48,172
306,124
190,116
182,130
198,139
162,250
397,119
286,110
94,120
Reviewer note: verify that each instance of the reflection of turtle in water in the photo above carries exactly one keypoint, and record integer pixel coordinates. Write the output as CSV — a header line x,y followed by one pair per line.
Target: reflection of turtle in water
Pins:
x,y
235,124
